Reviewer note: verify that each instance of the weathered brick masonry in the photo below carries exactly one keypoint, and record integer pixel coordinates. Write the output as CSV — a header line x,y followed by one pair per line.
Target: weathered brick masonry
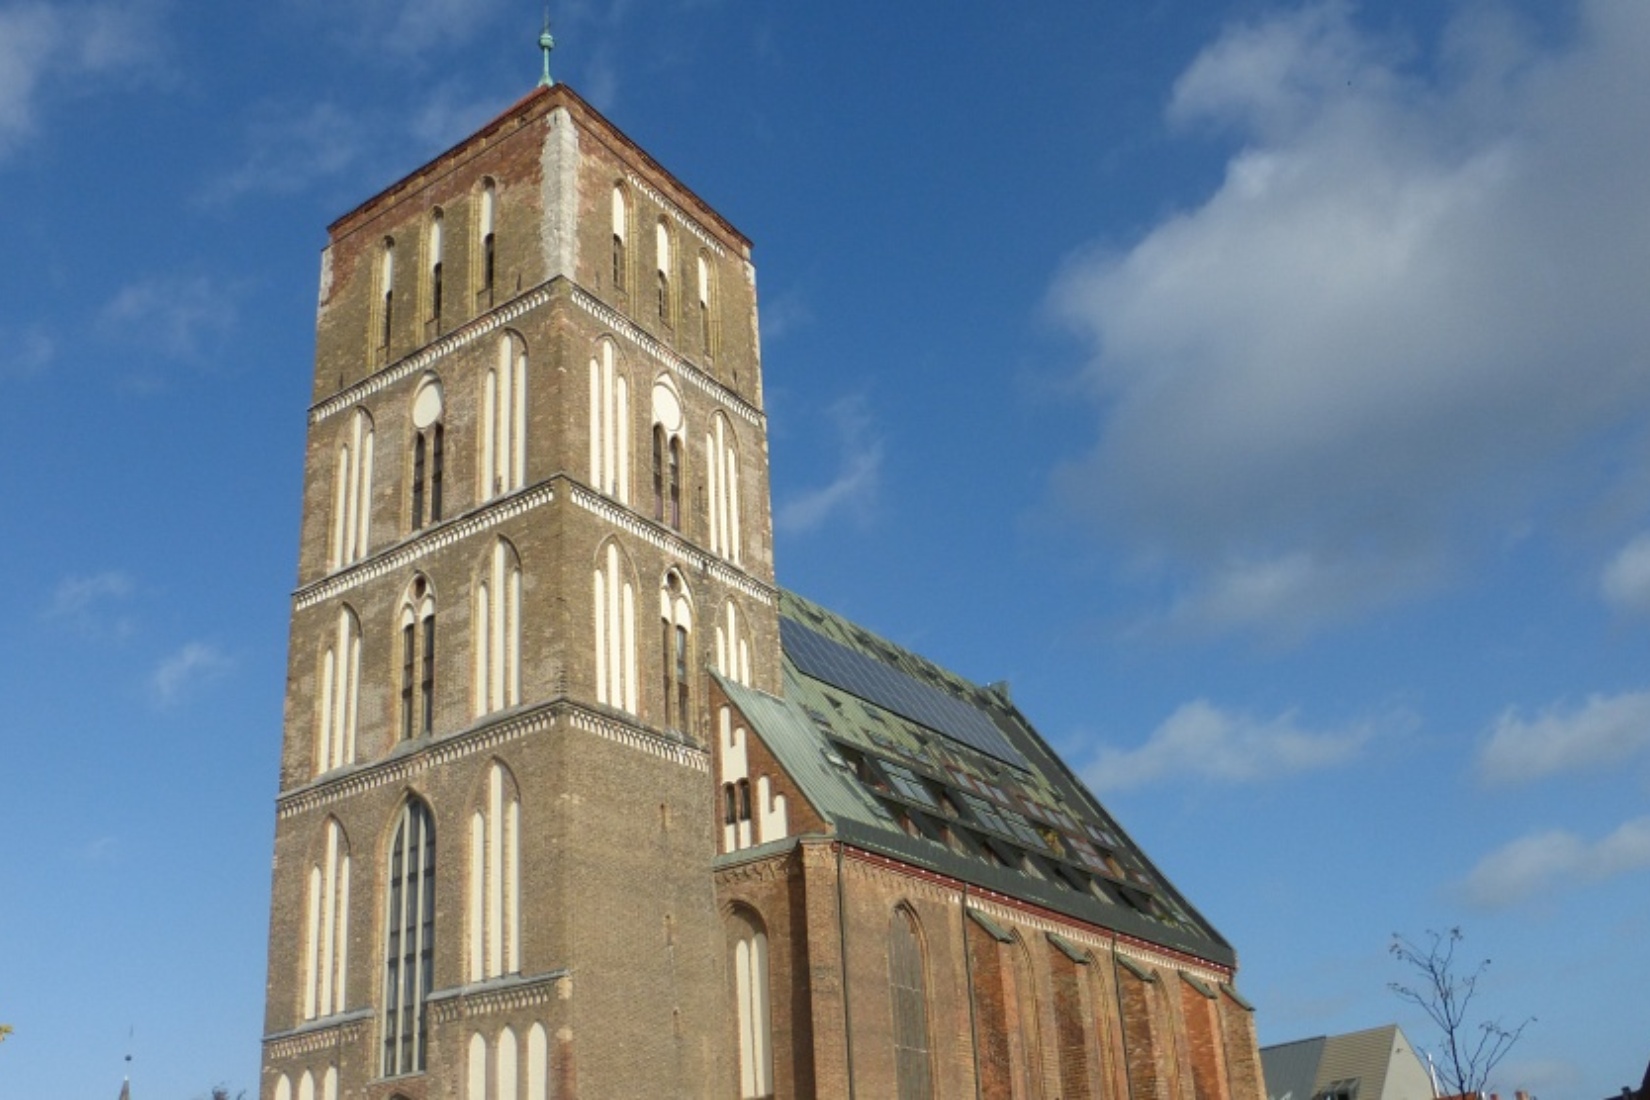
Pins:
x,y
574,800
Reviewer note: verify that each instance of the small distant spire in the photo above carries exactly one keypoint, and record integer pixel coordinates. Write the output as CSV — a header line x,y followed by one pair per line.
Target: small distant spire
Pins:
x,y
546,44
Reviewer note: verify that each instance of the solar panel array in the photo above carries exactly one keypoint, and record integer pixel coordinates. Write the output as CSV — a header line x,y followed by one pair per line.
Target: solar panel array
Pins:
x,y
888,687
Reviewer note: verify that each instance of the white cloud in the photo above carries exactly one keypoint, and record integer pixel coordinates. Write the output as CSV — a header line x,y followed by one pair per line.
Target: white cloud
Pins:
x,y
288,150
1625,584
1287,596
85,602
25,353
49,47
180,317
1606,730
1202,741
194,663
853,489
1541,862
1415,289
404,28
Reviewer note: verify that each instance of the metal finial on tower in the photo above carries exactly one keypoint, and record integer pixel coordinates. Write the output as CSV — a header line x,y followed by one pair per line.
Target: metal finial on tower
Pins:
x,y
546,44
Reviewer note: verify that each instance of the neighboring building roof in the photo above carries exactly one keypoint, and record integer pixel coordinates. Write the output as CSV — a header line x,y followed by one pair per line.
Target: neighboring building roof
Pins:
x,y
907,759
1374,1064
1291,1069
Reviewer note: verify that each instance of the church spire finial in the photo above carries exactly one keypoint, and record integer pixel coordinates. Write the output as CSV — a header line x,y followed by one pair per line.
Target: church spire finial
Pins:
x,y
546,44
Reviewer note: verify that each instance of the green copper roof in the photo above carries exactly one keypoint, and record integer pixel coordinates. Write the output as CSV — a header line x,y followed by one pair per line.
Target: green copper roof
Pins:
x,y
983,800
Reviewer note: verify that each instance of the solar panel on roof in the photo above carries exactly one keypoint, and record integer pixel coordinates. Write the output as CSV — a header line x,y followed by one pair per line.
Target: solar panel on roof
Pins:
x,y
876,682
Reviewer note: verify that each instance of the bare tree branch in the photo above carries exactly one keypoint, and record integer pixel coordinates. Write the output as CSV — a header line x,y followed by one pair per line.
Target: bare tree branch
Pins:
x,y
1445,993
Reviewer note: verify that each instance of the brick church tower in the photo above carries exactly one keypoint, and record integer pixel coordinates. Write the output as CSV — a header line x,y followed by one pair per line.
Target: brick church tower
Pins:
x,y
574,801
535,511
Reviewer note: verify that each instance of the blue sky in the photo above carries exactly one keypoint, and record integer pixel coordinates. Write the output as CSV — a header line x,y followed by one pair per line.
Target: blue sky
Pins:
x,y
1262,389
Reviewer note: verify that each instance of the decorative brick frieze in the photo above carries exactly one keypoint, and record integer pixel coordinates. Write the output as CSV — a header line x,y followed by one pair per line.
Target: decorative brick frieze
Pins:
x,y
682,218
633,332
405,553
688,756
681,548
432,353
322,1035
329,790
505,995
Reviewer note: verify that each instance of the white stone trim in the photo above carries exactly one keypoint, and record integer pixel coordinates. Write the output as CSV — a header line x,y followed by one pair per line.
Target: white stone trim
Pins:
x,y
650,533
687,221
625,327
327,791
469,1002
324,1035
404,554
421,360
688,756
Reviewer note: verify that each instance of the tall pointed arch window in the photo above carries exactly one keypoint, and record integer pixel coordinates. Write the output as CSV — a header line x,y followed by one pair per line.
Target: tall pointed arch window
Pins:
x,y
495,878
326,956
751,998
722,457
428,457
733,651
340,694
433,272
497,624
615,616
352,493
386,297
661,248
667,454
676,628
486,261
418,660
621,236
706,314
409,940
609,425
504,419
908,987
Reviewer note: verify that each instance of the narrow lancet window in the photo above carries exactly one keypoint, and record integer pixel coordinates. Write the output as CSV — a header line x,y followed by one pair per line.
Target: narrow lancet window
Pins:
x,y
352,493
621,234
418,661
615,615
504,420
497,621
326,960
433,252
609,425
486,244
495,879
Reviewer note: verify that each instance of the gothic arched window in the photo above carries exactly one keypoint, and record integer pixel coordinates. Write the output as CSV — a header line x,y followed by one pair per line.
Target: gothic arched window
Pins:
x,y
409,948
486,261
751,997
340,694
352,492
326,959
722,460
418,660
495,878
615,615
621,236
908,987
433,271
676,625
497,625
504,419
428,457
609,425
